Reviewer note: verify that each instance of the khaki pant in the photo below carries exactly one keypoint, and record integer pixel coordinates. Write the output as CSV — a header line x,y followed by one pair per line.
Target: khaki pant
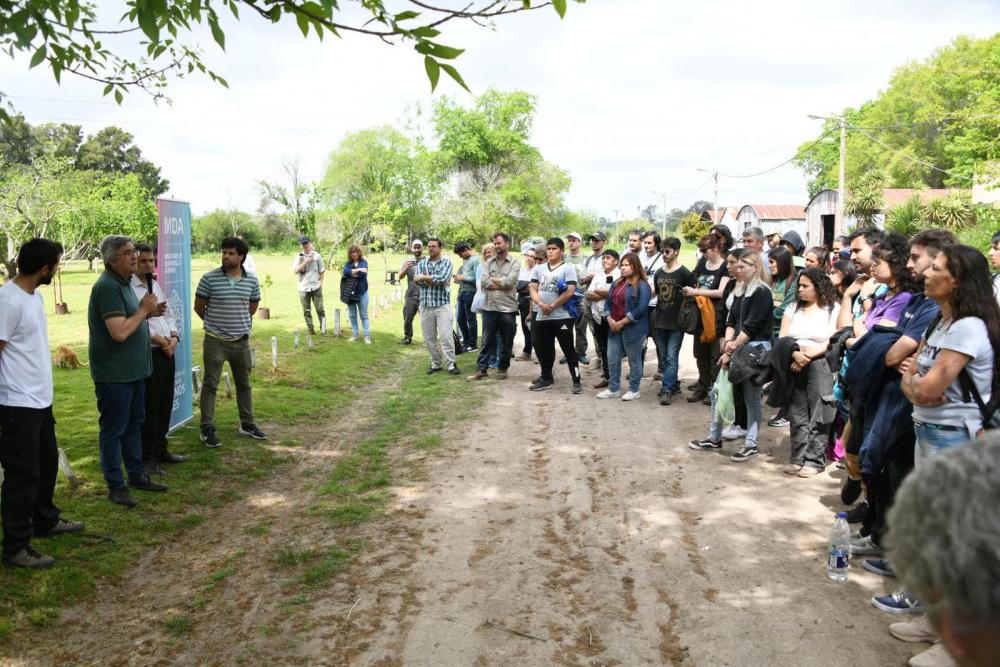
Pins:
x,y
436,323
237,353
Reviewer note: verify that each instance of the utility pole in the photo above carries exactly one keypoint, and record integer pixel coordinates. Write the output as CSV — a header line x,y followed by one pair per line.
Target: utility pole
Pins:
x,y
838,220
718,220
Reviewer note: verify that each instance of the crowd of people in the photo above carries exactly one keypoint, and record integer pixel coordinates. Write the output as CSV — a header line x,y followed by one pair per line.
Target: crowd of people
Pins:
x,y
878,353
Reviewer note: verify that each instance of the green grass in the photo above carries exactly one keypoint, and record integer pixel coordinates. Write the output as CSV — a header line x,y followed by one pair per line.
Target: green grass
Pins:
x,y
310,386
177,625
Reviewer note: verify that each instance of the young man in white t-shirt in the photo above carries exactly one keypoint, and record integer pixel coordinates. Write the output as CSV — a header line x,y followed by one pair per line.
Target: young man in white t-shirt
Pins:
x,y
28,451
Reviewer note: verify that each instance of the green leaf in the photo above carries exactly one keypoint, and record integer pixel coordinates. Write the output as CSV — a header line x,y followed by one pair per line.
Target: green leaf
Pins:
x,y
426,32
303,24
453,73
118,95
147,21
217,34
560,7
38,57
405,16
445,52
433,71
108,88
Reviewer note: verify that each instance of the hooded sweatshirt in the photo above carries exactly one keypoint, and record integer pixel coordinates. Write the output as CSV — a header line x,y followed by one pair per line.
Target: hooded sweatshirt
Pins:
x,y
793,237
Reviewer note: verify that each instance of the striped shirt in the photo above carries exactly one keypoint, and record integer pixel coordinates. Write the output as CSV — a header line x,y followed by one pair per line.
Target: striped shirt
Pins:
x,y
228,313
438,293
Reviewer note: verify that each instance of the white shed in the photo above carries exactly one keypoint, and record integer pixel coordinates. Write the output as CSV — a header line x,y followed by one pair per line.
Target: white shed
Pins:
x,y
772,218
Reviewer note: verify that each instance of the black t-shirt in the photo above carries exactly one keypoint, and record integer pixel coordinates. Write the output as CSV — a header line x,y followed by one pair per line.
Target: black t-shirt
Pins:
x,y
709,278
670,298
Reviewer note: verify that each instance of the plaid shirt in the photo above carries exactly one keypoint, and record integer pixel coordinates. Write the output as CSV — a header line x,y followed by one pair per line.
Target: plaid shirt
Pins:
x,y
438,293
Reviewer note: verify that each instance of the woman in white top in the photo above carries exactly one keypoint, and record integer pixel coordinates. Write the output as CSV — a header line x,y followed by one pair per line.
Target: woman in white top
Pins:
x,y
596,295
811,320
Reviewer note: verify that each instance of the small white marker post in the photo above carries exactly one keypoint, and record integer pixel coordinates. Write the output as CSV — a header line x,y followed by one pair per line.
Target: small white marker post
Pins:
x,y
274,352
229,385
296,343
322,325
309,340
336,322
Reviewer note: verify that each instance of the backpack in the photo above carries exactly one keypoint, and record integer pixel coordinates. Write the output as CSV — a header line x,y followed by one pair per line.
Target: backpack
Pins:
x,y
988,411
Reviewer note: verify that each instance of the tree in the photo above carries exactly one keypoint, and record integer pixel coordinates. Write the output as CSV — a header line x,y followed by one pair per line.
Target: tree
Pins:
x,y
298,198
209,229
692,227
867,199
933,126
495,131
112,150
64,33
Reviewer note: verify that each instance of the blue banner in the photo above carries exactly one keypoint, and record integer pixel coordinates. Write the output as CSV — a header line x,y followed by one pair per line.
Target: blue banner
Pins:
x,y
173,272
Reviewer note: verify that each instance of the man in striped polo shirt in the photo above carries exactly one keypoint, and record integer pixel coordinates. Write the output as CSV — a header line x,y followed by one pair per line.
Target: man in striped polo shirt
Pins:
x,y
226,299
433,275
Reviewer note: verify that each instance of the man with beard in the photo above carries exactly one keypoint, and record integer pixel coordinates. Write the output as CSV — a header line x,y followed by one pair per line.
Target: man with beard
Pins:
x,y
411,304
28,451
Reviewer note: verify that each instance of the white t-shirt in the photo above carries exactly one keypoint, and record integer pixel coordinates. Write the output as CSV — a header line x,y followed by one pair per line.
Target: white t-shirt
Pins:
x,y
966,336
249,265
814,326
600,281
548,287
651,265
25,366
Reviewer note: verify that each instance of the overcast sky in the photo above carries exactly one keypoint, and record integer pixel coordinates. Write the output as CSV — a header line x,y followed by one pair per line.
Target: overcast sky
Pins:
x,y
634,96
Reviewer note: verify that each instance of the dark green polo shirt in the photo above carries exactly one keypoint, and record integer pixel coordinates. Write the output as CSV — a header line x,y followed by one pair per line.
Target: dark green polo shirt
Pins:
x,y
131,360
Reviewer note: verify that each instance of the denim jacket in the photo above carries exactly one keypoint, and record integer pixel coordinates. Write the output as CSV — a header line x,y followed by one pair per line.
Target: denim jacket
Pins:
x,y
636,310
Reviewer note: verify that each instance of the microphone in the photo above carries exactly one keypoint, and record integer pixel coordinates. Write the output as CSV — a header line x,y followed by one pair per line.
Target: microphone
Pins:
x,y
149,283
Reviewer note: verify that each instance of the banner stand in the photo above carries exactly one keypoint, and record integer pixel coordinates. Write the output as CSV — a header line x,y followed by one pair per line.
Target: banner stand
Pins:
x,y
173,272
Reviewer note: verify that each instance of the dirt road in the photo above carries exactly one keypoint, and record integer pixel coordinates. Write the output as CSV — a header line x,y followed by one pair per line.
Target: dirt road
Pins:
x,y
549,529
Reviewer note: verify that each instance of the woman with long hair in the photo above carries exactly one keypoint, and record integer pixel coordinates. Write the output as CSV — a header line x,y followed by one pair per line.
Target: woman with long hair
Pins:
x,y
842,275
711,277
959,348
817,257
783,279
748,323
889,268
357,267
627,314
524,299
811,320
486,253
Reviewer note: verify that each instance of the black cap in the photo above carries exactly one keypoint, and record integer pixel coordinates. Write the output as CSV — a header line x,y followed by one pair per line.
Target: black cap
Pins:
x,y
303,239
598,236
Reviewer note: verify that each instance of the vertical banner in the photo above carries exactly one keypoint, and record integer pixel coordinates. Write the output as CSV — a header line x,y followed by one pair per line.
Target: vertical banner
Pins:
x,y
173,272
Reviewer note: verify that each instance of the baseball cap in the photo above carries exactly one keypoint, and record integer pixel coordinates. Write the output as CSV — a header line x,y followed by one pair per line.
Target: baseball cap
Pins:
x,y
574,235
303,239
417,242
597,236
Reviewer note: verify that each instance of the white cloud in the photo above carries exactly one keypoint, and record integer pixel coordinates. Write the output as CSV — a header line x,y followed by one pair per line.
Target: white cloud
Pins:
x,y
634,95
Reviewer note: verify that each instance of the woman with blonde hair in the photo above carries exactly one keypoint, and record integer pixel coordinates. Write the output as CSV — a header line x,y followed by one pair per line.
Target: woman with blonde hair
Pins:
x,y
357,267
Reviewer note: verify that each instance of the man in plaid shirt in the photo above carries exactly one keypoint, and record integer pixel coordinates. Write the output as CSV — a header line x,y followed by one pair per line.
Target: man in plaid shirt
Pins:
x,y
433,275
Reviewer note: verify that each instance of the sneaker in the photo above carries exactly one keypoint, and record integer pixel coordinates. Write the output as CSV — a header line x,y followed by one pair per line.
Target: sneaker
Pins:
x,y
675,391
897,603
62,527
858,513
744,454
540,385
368,340
28,557
501,375
935,656
778,422
809,471
406,341
432,370
630,396
577,387
693,387
698,395
707,443
791,469
523,357
600,385
864,546
352,339
881,567
850,491
733,432
252,431
209,438
454,370
918,630
607,393
665,398
478,375
657,376
583,360
144,483
121,497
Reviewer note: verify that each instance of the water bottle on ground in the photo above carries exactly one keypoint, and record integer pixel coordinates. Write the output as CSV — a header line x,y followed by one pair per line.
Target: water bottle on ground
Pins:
x,y
840,549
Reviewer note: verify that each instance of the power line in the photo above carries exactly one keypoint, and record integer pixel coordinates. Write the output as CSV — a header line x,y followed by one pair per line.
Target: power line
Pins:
x,y
901,153
779,166
685,196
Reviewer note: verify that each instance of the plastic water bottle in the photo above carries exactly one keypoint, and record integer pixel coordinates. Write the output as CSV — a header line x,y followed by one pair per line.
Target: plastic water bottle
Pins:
x,y
840,549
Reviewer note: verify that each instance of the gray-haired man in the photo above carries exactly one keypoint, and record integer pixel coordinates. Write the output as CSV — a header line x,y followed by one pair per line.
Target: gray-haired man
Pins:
x,y
308,266
753,239
120,362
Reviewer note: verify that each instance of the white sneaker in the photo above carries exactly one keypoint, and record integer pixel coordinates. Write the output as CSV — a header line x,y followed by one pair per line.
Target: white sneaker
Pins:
x,y
368,340
733,432
352,339
607,393
918,630
935,656
630,396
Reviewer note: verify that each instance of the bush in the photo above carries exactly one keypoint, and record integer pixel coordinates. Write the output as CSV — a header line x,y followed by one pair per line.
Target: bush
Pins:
x,y
692,227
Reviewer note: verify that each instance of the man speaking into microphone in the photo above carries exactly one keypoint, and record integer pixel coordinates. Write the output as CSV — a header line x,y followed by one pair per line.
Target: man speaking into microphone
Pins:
x,y
160,384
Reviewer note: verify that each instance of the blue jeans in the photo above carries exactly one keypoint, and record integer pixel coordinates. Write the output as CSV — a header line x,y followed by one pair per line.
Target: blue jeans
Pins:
x,y
354,310
618,350
466,318
122,408
668,343
752,400
932,441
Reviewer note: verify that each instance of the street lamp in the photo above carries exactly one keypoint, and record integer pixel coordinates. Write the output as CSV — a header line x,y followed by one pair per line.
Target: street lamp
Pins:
x,y
838,221
662,195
